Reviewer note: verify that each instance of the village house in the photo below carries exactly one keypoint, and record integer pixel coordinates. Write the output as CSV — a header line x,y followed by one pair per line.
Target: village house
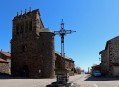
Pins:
x,y
69,63
110,57
5,62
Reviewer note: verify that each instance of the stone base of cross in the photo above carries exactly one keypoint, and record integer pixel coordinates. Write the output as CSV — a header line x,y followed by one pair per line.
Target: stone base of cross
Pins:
x,y
62,79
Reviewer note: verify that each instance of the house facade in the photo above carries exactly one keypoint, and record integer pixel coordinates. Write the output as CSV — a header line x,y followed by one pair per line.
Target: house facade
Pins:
x,y
5,62
68,63
110,57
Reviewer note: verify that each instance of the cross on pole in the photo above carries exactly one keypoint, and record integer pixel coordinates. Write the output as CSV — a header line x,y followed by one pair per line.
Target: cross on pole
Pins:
x,y
62,32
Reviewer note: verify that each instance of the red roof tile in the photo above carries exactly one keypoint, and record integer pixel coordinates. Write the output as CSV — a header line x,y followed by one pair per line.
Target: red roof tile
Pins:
x,y
66,58
3,61
6,53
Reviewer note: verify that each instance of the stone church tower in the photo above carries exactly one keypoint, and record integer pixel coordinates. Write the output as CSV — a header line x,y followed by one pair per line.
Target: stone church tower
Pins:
x,y
32,47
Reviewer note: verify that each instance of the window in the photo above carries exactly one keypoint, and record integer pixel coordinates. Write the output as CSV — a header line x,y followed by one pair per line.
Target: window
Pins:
x,y
30,26
26,26
22,29
23,48
43,44
17,29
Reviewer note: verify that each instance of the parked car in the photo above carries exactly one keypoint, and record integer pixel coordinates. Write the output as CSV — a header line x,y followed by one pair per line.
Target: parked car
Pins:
x,y
87,72
97,73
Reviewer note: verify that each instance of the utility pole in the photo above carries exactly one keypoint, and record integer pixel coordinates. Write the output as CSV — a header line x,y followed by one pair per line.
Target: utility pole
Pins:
x,y
88,70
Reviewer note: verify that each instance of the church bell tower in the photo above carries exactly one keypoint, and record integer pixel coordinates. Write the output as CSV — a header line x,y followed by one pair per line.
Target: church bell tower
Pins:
x,y
29,55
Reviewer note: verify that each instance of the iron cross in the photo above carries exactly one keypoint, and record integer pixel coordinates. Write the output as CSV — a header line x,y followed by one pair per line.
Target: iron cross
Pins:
x,y
62,32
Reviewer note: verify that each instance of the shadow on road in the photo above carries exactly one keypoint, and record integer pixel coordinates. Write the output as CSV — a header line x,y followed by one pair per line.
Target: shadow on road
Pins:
x,y
6,77
92,78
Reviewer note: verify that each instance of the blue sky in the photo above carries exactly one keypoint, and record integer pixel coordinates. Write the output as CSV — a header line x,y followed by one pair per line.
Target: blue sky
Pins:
x,y
95,21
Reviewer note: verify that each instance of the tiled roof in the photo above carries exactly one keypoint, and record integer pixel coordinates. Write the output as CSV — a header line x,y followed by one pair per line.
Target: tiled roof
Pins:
x,y
46,30
6,53
3,61
64,57
115,38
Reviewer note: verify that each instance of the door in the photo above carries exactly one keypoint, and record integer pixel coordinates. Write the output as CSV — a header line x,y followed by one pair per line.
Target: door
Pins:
x,y
25,71
115,70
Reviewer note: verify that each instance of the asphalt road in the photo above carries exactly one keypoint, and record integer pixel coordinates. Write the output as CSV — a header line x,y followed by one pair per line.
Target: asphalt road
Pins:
x,y
88,81
83,80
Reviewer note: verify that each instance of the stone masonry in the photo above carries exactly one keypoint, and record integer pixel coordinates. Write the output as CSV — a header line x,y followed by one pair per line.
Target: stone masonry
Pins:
x,y
69,63
110,57
4,66
5,62
32,47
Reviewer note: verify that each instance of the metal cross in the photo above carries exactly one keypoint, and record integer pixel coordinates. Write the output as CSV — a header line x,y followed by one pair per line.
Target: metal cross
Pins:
x,y
62,32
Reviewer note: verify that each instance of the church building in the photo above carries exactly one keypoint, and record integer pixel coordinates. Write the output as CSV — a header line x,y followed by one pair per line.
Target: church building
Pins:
x,y
32,47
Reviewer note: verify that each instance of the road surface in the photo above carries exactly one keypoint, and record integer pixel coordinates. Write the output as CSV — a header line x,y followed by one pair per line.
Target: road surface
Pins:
x,y
83,80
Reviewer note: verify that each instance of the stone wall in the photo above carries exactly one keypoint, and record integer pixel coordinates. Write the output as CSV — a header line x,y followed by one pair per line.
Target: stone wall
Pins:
x,y
114,50
6,56
110,56
48,54
68,64
4,68
32,48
